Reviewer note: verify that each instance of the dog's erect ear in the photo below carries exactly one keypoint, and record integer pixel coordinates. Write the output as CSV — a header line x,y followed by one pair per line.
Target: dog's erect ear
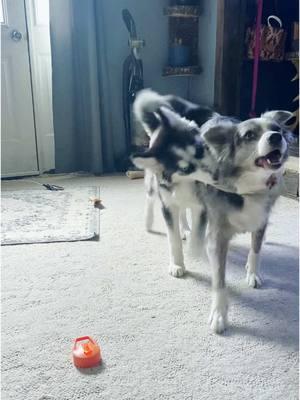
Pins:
x,y
168,118
280,116
218,136
145,106
145,160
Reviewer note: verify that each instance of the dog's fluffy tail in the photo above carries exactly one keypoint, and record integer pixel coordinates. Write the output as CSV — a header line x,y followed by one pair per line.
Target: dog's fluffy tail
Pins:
x,y
145,107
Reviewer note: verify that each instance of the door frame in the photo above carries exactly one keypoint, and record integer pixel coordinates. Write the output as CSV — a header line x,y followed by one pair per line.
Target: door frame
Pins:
x,y
30,20
231,16
5,24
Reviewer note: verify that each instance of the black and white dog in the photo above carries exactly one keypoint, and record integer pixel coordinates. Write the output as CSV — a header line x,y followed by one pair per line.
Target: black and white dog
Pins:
x,y
229,173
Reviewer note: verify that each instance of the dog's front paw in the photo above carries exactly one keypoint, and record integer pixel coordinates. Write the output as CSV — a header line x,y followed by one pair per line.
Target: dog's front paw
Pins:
x,y
253,280
218,321
219,310
176,270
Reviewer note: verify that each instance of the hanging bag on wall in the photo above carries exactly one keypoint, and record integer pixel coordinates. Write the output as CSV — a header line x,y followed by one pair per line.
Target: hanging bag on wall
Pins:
x,y
272,41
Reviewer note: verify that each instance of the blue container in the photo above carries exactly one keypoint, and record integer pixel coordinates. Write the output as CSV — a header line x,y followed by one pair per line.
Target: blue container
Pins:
x,y
179,55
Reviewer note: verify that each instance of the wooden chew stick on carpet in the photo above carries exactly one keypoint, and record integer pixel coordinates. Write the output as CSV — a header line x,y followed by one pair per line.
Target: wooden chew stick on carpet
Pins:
x,y
135,174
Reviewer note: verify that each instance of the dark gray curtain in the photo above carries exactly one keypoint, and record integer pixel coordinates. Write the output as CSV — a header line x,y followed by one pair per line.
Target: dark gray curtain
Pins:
x,y
81,103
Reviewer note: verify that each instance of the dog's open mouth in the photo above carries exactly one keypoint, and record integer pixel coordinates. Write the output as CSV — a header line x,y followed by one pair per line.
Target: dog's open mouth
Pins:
x,y
271,160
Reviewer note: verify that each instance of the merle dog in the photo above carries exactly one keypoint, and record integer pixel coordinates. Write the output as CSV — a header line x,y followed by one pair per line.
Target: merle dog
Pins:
x,y
229,173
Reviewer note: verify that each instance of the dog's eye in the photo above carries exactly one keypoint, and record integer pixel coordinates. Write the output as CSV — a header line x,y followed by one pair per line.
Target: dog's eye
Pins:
x,y
186,169
249,135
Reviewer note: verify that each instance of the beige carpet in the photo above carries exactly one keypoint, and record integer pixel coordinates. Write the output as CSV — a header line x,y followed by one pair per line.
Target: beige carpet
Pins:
x,y
152,328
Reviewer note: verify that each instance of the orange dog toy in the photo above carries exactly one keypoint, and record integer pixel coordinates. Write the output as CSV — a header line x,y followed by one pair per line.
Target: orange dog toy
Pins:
x,y
86,353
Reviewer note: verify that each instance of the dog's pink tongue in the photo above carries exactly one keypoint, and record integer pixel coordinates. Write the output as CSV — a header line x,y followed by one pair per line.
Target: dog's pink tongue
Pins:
x,y
262,162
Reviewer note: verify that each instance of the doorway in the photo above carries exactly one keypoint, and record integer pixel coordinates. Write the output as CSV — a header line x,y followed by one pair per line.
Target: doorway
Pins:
x,y
277,81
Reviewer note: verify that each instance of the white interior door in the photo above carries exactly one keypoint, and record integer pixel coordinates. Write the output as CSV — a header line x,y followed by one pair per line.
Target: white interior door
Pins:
x,y
40,56
18,139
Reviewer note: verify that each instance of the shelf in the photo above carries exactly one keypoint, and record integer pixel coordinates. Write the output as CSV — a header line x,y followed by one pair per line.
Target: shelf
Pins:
x,y
182,11
182,71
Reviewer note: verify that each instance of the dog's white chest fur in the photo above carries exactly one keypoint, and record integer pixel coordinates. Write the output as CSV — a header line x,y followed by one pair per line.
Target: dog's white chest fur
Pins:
x,y
252,216
256,180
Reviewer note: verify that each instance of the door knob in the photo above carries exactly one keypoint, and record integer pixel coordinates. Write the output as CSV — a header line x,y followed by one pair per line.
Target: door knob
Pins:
x,y
16,35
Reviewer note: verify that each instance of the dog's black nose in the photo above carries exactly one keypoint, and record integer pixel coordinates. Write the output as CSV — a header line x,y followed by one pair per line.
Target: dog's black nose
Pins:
x,y
275,139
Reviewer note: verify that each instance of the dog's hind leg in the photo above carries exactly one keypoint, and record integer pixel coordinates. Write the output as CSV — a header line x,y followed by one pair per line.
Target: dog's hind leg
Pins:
x,y
149,212
150,199
171,216
184,225
253,262
217,247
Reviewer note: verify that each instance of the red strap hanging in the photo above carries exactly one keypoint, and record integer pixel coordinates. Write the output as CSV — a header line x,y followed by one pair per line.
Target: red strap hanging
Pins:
x,y
256,57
